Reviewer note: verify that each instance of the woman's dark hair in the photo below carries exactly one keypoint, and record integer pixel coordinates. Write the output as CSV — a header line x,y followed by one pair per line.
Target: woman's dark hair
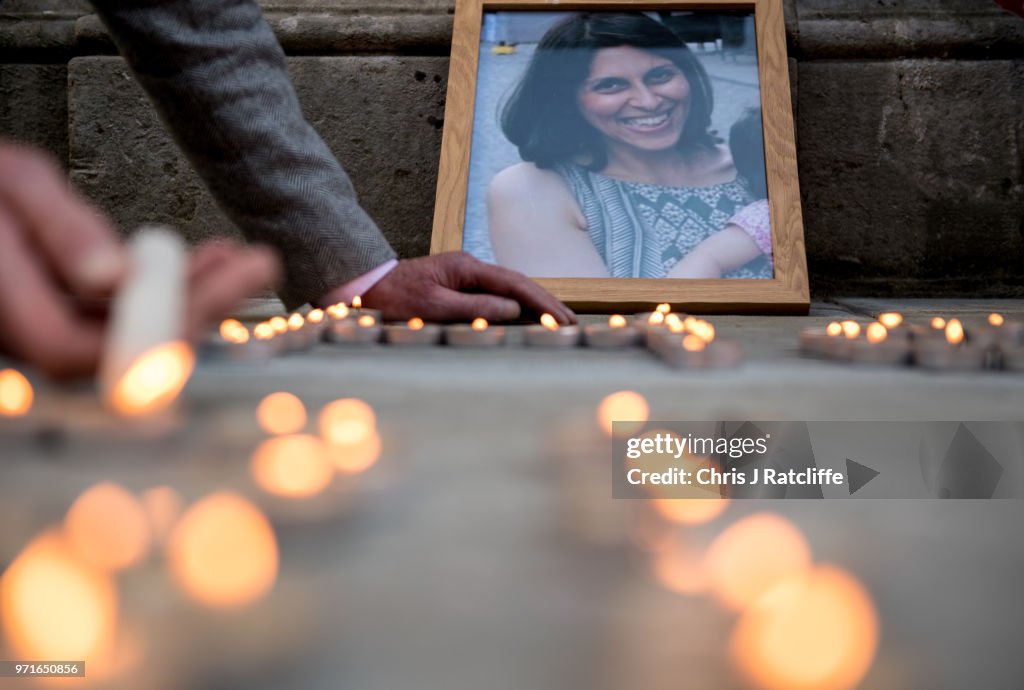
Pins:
x,y
542,117
746,143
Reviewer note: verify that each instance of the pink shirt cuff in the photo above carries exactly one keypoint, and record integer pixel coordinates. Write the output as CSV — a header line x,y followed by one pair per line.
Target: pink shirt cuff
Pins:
x,y
358,286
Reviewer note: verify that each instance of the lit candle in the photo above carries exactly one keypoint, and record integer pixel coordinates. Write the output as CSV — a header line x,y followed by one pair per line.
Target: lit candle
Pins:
x,y
878,348
316,323
952,353
364,329
813,341
234,342
477,334
701,351
614,335
299,337
550,335
413,332
996,332
338,311
358,310
16,394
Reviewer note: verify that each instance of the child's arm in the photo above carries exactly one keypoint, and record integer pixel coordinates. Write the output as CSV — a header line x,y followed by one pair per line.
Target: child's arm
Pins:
x,y
726,250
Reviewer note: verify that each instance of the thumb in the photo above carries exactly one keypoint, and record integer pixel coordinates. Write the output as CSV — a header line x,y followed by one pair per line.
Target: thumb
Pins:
x,y
462,306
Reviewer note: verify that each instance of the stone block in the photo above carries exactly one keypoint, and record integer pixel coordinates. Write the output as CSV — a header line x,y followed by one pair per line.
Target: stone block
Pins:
x,y
382,116
911,173
34,106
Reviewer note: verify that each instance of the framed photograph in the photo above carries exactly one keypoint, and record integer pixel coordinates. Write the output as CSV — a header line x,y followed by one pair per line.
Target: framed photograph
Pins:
x,y
625,153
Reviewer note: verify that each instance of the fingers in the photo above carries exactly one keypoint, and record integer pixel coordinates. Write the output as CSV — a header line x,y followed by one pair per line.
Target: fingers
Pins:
x,y
468,273
75,239
36,324
461,306
209,256
226,281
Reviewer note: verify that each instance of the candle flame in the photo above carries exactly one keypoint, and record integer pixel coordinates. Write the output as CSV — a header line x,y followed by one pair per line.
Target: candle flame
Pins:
x,y
16,394
338,311
263,331
548,321
679,567
415,324
223,552
108,528
357,302
851,329
624,406
616,321
367,321
296,322
357,455
693,343
347,421
663,308
938,323
876,333
675,324
834,329
315,316
294,466
479,324
281,413
703,330
996,320
234,332
279,324
154,380
890,319
656,318
690,511
954,332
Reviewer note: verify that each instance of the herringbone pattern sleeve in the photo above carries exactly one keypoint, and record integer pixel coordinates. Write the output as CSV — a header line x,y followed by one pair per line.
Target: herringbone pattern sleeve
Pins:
x,y
218,78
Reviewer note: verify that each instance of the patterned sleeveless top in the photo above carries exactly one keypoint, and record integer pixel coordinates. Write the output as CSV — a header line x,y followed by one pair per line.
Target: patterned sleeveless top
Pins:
x,y
641,230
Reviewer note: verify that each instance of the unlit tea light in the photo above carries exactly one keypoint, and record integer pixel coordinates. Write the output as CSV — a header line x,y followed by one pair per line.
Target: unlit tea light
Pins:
x,y
477,334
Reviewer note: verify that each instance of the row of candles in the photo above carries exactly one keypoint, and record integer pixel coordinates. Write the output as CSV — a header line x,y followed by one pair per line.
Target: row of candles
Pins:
x,y
946,345
679,340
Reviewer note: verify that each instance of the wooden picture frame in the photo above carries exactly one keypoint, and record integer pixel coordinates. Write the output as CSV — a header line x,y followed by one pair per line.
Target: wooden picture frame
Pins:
x,y
785,292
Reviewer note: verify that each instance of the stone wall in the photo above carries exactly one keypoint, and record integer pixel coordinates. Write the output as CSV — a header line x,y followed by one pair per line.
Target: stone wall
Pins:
x,y
909,117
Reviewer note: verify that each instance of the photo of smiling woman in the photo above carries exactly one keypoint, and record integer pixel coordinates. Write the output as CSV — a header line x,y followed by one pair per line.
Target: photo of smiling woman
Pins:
x,y
620,171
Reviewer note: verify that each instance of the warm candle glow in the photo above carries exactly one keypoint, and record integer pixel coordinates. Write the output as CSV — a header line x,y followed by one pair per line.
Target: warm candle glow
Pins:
x,y
296,322
753,556
16,394
479,324
338,311
263,331
703,330
279,324
679,568
55,606
234,332
690,511
890,319
293,466
818,631
415,324
996,320
107,527
356,455
281,413
938,323
223,552
693,343
357,302
663,308
617,321
834,329
674,323
347,421
162,506
656,318
876,333
954,332
154,380
851,329
367,321
315,316
548,321
624,406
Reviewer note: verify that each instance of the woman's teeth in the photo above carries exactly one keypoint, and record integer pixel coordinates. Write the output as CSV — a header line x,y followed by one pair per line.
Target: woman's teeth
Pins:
x,y
649,122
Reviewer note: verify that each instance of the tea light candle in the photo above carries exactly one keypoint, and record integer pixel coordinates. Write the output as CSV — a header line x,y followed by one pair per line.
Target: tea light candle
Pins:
x,y
477,334
299,337
337,312
549,334
839,347
951,353
413,332
995,331
614,335
814,341
362,330
878,348
357,310
234,342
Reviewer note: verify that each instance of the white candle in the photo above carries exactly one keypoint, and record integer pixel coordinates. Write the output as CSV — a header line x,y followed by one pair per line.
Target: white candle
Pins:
x,y
614,335
550,335
478,334
414,332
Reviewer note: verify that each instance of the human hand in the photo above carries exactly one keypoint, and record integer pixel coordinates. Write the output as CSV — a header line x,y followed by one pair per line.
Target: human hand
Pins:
x,y
455,286
60,260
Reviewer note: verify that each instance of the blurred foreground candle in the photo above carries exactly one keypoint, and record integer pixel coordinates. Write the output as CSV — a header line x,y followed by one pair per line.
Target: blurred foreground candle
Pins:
x,y
349,428
108,528
623,413
548,334
363,329
293,466
816,631
477,334
281,413
615,335
414,332
951,353
146,362
223,552
16,395
54,606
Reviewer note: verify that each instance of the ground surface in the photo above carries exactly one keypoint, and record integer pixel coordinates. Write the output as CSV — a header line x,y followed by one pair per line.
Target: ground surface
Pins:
x,y
450,564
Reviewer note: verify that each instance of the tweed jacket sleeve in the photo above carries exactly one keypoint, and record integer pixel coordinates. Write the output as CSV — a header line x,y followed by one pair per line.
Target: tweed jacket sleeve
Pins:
x,y
218,78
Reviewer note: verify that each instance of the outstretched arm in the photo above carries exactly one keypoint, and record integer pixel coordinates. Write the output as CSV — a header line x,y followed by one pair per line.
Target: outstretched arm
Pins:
x,y
725,251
